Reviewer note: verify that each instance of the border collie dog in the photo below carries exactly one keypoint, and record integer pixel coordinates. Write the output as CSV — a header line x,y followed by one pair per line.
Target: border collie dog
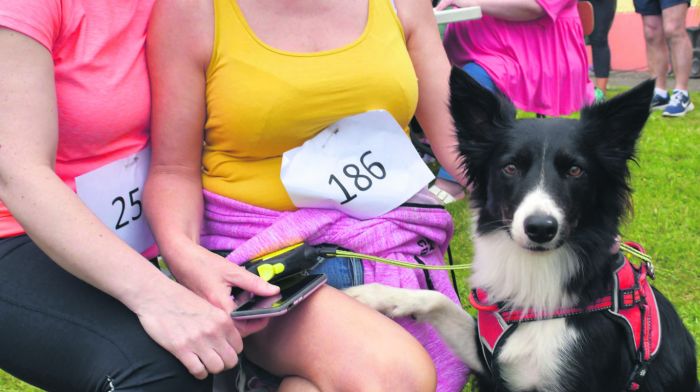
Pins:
x,y
560,308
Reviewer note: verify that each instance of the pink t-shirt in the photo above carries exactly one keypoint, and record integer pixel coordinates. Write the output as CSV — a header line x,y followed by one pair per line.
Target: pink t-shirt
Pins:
x,y
101,79
540,65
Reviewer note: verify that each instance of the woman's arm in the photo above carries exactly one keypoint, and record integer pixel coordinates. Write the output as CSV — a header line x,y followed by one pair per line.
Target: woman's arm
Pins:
x,y
56,219
433,70
511,10
177,61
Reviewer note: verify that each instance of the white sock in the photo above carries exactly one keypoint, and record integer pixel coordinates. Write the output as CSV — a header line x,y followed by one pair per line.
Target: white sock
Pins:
x,y
659,91
685,92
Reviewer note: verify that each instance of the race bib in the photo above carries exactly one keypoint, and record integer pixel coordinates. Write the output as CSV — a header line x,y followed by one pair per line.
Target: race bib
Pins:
x,y
113,193
363,165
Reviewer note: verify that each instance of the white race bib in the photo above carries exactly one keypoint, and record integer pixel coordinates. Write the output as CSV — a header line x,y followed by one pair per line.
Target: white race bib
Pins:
x,y
113,193
363,165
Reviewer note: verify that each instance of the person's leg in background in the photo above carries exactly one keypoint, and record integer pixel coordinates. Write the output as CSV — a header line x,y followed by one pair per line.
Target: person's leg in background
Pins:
x,y
657,58
673,19
446,188
604,14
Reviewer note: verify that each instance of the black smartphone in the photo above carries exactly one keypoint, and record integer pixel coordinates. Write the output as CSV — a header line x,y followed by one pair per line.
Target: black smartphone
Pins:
x,y
293,289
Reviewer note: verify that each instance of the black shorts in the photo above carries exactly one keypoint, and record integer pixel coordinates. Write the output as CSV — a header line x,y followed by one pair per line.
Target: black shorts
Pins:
x,y
61,334
654,7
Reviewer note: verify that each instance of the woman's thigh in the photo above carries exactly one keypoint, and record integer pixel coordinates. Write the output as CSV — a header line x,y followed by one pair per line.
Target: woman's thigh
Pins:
x,y
62,334
339,344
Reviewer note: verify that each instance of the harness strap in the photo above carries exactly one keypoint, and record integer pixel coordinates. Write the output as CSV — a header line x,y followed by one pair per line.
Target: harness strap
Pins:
x,y
479,300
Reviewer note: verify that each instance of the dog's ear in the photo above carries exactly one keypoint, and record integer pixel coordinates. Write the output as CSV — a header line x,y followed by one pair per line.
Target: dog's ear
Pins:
x,y
613,127
479,116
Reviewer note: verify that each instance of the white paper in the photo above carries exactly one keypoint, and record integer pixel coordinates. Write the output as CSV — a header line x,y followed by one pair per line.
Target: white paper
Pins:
x,y
113,192
363,165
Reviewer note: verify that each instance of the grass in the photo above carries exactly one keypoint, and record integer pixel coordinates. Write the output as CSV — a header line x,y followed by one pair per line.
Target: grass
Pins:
x,y
666,216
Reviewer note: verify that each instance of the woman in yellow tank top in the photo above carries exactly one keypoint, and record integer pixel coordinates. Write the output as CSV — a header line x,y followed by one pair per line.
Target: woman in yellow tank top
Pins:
x,y
235,84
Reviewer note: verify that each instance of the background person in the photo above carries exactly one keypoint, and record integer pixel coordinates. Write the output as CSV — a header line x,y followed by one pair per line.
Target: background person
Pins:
x,y
81,308
603,16
664,32
533,51
253,80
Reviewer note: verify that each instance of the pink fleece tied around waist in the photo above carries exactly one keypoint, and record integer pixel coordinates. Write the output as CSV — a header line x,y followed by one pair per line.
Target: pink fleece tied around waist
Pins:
x,y
400,234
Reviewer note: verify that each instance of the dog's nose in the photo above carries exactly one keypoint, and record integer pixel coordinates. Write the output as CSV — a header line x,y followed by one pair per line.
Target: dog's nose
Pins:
x,y
541,228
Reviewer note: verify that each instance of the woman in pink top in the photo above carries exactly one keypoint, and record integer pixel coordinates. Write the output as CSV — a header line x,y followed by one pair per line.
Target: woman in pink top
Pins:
x,y
532,50
81,306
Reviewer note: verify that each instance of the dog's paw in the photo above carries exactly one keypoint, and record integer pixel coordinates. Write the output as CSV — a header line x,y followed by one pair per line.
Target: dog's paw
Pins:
x,y
394,302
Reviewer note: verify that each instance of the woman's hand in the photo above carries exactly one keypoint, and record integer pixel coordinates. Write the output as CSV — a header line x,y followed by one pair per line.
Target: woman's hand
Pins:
x,y
201,336
444,4
212,277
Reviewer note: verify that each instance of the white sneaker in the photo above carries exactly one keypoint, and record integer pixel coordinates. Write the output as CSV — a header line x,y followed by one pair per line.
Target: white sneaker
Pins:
x,y
679,105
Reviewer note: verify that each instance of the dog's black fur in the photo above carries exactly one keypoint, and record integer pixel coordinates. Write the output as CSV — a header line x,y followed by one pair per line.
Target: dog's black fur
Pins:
x,y
594,202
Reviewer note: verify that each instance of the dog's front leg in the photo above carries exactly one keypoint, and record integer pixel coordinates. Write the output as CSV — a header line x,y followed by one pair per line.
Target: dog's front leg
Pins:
x,y
456,326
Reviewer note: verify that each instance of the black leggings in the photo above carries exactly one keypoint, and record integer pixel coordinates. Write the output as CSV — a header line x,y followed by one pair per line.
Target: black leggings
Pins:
x,y
61,334
604,13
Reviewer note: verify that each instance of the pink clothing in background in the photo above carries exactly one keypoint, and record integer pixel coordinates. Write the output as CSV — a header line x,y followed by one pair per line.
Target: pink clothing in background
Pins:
x,y
401,234
541,65
101,78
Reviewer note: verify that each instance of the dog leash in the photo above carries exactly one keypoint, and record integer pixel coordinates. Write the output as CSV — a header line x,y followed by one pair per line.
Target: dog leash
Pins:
x,y
634,250
300,257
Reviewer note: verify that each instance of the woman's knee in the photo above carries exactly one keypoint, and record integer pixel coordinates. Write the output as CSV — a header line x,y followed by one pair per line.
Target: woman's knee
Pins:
x,y
391,360
406,367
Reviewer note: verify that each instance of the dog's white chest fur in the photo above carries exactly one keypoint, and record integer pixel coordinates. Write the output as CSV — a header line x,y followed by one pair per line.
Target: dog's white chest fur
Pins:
x,y
536,355
525,279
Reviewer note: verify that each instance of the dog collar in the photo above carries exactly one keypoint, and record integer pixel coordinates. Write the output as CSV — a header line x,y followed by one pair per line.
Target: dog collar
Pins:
x,y
630,302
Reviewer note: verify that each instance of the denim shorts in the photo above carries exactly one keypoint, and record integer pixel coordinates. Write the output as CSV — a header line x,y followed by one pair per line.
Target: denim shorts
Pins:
x,y
342,272
654,7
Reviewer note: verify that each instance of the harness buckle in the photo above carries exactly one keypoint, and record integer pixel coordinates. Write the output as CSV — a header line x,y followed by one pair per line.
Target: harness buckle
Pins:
x,y
650,269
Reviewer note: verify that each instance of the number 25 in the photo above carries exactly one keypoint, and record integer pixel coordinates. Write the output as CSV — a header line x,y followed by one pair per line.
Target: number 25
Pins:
x,y
133,203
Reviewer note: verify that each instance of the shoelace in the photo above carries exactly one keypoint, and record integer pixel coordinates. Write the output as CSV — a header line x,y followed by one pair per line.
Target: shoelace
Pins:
x,y
676,98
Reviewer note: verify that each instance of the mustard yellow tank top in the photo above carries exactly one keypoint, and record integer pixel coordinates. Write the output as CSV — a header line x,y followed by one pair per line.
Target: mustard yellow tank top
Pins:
x,y
262,101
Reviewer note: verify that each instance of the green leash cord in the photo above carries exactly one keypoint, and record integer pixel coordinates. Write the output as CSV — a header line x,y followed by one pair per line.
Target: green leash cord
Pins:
x,y
301,256
349,255
634,252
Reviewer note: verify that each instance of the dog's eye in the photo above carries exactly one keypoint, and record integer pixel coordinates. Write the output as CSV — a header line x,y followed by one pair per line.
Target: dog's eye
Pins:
x,y
574,171
510,169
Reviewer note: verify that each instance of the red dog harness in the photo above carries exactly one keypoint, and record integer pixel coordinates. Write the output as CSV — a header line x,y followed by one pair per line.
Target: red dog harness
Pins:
x,y
630,301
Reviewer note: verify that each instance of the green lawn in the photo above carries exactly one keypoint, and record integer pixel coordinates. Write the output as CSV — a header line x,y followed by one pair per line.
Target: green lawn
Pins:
x,y
666,216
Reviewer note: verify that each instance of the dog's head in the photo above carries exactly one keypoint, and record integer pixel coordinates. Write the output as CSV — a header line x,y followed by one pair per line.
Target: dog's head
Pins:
x,y
548,181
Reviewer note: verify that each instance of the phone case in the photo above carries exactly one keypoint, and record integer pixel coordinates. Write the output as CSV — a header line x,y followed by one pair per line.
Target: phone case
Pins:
x,y
304,292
